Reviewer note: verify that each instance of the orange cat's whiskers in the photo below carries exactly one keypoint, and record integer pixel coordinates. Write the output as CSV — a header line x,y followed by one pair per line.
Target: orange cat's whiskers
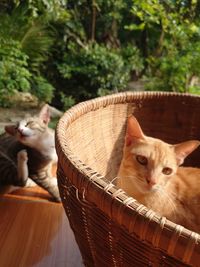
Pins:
x,y
138,178
163,196
150,172
114,180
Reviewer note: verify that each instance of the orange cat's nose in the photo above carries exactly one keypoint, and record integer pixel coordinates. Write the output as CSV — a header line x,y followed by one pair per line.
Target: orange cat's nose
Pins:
x,y
151,181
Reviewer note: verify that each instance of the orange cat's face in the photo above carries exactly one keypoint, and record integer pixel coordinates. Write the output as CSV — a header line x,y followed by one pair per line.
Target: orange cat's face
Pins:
x,y
149,163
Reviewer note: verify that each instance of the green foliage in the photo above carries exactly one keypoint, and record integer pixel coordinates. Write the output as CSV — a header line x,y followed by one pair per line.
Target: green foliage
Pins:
x,y
67,51
32,33
93,62
14,74
51,9
36,43
171,37
42,89
96,70
24,47
132,58
176,70
67,101
195,90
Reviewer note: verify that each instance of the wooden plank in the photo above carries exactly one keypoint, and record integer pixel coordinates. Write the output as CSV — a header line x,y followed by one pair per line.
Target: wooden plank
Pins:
x,y
35,193
35,233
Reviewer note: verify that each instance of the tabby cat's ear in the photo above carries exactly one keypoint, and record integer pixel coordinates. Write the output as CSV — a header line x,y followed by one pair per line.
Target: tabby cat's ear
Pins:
x,y
10,129
45,114
133,130
182,150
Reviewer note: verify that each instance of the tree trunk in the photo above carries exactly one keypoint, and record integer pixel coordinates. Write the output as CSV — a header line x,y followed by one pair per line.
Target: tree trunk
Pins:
x,y
94,14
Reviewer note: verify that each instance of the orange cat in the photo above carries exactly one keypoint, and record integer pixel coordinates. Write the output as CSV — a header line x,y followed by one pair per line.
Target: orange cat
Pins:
x,y
150,173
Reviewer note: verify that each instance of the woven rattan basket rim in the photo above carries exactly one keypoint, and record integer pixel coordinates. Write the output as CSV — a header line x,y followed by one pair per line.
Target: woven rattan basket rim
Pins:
x,y
97,180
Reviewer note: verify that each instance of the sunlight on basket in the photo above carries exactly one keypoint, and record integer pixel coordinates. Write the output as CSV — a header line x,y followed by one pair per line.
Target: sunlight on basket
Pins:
x,y
110,227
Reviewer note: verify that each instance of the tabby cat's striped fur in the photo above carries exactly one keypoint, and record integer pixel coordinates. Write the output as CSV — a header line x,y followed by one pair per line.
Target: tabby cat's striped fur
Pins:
x,y
27,152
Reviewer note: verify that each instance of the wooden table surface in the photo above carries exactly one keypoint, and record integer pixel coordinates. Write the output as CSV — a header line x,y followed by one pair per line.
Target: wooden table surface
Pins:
x,y
34,231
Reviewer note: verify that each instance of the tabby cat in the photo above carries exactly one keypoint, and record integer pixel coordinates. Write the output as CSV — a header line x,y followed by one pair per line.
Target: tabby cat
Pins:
x,y
27,152
150,173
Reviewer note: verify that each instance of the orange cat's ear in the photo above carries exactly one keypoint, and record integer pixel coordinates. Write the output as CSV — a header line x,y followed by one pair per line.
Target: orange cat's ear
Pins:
x,y
45,114
133,130
182,150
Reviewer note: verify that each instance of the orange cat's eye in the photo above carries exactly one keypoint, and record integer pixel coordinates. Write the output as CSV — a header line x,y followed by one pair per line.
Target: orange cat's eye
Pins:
x,y
167,171
141,159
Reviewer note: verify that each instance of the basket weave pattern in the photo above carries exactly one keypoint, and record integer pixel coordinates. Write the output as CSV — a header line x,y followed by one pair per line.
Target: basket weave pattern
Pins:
x,y
111,228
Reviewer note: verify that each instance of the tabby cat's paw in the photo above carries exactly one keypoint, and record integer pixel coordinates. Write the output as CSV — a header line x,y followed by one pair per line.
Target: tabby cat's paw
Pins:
x,y
22,155
54,181
30,183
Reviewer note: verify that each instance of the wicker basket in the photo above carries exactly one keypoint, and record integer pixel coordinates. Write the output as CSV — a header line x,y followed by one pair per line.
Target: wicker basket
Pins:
x,y
111,228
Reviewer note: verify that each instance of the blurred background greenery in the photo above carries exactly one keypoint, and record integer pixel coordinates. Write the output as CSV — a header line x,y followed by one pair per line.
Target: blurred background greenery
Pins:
x,y
66,51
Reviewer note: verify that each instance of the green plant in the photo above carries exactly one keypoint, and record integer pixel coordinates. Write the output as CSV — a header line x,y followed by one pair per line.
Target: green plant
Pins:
x,y
33,34
177,70
195,90
85,49
67,101
170,42
25,46
96,70
14,75
42,89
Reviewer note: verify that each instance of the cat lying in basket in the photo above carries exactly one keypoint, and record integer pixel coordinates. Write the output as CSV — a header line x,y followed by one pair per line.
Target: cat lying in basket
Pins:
x,y
27,152
150,173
